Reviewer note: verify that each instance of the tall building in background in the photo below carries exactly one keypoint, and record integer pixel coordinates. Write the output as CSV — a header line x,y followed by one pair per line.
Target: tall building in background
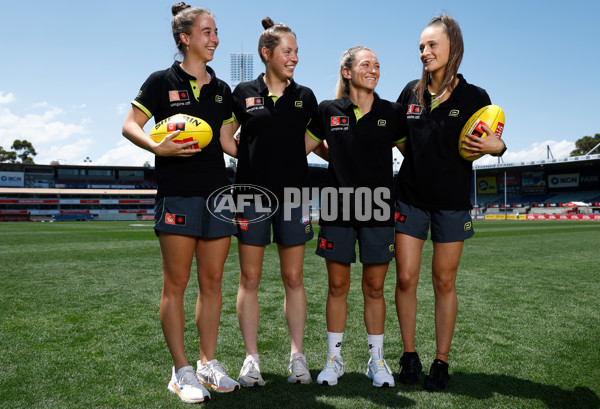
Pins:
x,y
242,68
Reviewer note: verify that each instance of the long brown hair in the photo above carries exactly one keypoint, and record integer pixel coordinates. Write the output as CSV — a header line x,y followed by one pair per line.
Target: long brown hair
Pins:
x,y
271,37
452,30
184,17
343,88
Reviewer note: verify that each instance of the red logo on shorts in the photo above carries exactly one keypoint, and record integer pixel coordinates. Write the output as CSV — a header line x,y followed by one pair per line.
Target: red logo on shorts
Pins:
x,y
326,244
175,219
243,223
401,218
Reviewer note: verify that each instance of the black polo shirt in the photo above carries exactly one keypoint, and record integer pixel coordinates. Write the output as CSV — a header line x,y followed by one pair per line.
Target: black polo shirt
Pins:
x,y
272,153
173,91
433,175
360,151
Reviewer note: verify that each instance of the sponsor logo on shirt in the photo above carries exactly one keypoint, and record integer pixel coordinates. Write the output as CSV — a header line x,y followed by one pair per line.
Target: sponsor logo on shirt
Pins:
x,y
175,219
414,109
305,220
339,121
454,113
218,99
381,122
298,104
250,102
178,96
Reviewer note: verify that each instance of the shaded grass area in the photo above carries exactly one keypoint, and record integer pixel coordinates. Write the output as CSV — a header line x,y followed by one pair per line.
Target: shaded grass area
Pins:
x,y
79,325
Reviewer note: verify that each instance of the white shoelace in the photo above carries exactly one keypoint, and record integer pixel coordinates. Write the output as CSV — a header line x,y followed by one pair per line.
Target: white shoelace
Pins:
x,y
216,371
189,378
252,365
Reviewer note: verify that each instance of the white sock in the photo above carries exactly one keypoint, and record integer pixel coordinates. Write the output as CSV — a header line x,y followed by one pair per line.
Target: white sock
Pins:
x,y
375,346
334,340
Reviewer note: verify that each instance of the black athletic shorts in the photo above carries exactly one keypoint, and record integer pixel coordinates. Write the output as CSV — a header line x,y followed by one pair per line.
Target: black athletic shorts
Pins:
x,y
375,244
290,228
447,226
192,216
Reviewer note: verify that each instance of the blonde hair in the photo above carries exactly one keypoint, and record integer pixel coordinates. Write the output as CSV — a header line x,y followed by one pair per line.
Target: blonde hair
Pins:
x,y
343,87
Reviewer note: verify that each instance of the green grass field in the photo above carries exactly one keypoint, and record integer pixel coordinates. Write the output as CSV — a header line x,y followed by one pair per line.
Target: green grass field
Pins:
x,y
79,324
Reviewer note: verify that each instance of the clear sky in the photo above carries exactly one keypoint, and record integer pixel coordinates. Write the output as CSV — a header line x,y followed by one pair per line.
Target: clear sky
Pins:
x,y
71,68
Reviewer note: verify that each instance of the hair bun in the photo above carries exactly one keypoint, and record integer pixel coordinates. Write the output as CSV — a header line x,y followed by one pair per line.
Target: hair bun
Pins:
x,y
179,7
267,23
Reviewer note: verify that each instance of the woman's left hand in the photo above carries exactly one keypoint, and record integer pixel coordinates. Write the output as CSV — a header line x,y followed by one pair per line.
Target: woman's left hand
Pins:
x,y
480,146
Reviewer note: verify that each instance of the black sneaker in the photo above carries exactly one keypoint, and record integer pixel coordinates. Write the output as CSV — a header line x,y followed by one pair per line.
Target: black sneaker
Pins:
x,y
438,377
410,368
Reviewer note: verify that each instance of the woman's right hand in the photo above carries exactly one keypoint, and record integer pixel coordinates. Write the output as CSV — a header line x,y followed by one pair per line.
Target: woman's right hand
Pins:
x,y
167,147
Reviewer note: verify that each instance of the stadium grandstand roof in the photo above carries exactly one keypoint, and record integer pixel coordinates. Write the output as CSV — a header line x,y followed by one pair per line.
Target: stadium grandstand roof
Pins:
x,y
573,159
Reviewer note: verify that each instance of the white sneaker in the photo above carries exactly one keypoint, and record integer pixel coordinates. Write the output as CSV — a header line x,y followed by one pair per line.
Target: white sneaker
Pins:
x,y
250,374
380,373
185,383
333,369
298,369
213,375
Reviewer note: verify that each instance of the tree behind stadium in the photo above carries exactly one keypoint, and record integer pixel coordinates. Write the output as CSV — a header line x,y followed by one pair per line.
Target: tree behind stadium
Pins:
x,y
21,149
586,144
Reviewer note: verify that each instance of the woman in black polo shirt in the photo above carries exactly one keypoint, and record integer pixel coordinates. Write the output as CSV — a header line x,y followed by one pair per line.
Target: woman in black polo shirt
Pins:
x,y
186,177
433,189
273,112
360,130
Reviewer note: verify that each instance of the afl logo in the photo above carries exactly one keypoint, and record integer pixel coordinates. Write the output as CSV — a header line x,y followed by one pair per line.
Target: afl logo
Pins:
x,y
264,203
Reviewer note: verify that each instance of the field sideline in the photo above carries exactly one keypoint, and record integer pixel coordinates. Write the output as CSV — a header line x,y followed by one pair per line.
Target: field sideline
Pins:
x,y
79,326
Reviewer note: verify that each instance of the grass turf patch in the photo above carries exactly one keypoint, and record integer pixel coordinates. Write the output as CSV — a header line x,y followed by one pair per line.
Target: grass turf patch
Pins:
x,y
80,328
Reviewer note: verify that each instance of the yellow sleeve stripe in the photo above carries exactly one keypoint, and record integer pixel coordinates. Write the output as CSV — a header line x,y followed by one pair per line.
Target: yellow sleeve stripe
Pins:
x,y
314,137
225,122
401,140
142,108
235,119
